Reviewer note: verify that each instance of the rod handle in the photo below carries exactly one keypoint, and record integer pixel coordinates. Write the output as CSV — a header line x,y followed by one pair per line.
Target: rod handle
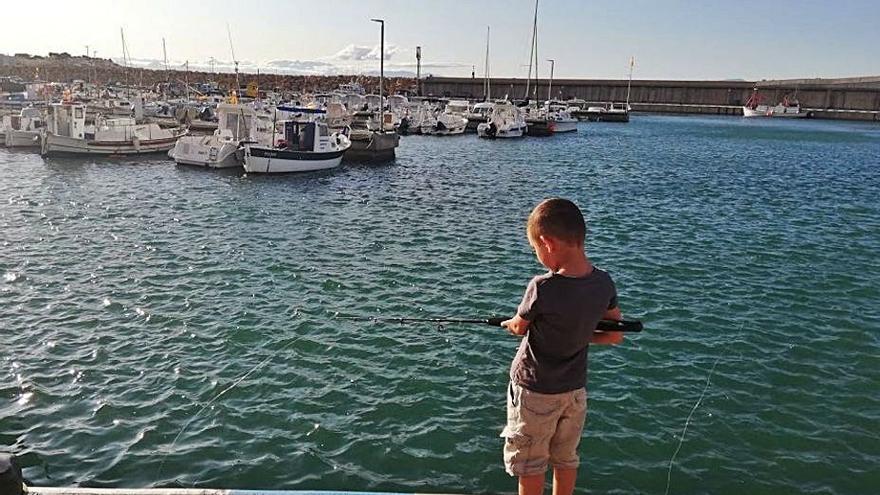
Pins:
x,y
603,325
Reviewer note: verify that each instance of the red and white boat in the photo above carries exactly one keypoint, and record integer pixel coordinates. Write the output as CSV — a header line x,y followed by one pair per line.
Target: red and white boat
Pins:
x,y
787,108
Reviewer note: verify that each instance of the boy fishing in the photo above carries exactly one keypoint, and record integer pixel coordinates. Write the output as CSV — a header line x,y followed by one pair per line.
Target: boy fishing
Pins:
x,y
557,318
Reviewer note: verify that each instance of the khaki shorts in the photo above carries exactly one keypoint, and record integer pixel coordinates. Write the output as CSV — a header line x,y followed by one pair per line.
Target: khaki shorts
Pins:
x,y
542,429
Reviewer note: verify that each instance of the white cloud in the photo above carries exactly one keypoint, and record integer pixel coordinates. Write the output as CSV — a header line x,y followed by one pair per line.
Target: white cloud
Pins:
x,y
361,52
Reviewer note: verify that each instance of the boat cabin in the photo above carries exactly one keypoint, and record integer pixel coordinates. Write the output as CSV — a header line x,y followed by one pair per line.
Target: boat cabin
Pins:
x,y
67,119
309,136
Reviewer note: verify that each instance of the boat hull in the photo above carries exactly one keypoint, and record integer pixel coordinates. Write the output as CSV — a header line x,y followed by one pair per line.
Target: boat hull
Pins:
x,y
777,112
21,139
513,132
562,126
205,152
371,145
262,160
53,144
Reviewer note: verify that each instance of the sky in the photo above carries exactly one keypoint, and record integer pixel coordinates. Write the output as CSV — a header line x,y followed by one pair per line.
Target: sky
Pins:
x,y
669,39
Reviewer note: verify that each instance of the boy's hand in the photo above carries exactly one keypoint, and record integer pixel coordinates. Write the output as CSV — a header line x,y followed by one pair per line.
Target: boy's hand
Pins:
x,y
517,325
610,338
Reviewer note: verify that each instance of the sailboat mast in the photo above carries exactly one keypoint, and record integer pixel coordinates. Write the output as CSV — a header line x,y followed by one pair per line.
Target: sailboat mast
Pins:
x,y
532,51
632,62
536,50
550,87
486,88
381,72
124,55
234,61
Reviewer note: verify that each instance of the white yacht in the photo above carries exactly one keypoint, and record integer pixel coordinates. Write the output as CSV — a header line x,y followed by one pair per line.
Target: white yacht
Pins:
x,y
450,121
66,132
23,130
504,121
306,146
236,124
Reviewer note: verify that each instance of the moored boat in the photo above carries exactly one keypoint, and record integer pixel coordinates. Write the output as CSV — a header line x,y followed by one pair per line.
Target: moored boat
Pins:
x,y
504,121
306,146
236,124
67,133
23,130
787,108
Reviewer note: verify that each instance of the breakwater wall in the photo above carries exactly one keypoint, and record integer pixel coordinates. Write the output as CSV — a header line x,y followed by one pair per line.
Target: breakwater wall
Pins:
x,y
848,98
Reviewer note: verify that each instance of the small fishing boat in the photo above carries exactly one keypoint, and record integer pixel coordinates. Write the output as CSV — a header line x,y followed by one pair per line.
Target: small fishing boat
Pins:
x,y
787,108
67,133
236,124
22,130
560,120
306,146
504,121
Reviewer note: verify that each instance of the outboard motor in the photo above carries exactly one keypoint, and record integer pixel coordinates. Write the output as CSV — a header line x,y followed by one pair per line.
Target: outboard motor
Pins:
x,y
11,481
492,130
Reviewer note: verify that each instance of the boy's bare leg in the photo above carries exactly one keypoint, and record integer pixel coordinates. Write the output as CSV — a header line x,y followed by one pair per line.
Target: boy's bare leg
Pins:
x,y
563,481
531,485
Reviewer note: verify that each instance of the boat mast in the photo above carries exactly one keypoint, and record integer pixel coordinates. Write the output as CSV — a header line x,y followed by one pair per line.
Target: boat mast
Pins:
x,y
632,62
535,28
124,55
234,61
532,51
165,58
418,71
381,71
486,84
550,87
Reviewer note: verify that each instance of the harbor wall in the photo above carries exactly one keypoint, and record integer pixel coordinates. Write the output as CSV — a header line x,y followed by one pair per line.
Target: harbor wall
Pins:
x,y
849,98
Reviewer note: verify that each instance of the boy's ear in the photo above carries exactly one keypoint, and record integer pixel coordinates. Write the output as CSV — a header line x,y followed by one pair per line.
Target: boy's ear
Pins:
x,y
548,242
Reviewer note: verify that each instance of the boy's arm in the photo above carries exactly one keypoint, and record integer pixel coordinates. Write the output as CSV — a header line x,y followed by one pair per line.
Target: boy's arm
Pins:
x,y
611,338
517,325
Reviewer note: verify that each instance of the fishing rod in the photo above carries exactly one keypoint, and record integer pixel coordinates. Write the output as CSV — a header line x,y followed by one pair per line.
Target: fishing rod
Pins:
x,y
602,326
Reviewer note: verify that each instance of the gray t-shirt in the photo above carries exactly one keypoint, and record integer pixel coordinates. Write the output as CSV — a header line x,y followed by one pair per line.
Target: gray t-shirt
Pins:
x,y
564,312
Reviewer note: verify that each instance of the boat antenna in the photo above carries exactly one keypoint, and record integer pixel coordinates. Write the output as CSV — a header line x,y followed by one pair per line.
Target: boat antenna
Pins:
x,y
486,89
234,60
632,63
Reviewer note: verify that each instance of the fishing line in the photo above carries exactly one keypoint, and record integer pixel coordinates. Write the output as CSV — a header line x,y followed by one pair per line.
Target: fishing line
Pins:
x,y
691,415
222,392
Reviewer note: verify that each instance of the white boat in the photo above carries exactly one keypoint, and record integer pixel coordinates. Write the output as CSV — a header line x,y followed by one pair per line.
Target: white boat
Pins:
x,y
559,119
236,124
504,121
479,113
23,130
787,108
67,133
306,146
612,112
450,121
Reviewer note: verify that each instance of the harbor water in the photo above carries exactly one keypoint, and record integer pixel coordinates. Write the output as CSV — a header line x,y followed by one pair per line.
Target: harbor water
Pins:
x,y
174,327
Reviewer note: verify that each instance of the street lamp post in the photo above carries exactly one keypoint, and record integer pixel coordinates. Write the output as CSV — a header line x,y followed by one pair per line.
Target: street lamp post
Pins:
x,y
381,72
